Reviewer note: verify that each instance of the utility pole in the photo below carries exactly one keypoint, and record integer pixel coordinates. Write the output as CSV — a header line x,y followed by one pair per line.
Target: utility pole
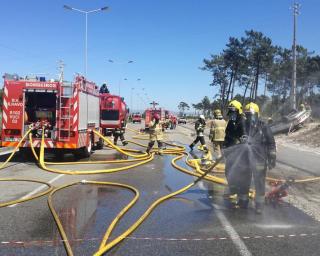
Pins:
x,y
61,69
154,104
293,92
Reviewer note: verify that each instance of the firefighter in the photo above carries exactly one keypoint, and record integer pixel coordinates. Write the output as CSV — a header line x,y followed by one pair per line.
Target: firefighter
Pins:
x,y
104,89
302,107
257,153
234,132
119,133
199,127
217,132
156,133
261,152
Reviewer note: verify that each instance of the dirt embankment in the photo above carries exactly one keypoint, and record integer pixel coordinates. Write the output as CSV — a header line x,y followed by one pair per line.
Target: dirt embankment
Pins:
x,y
307,136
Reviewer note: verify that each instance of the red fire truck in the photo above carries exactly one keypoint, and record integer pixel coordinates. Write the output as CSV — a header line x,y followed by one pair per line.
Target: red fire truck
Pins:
x,y
150,112
69,112
113,113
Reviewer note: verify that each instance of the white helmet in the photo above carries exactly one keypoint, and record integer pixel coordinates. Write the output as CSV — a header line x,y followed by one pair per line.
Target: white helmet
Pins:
x,y
202,117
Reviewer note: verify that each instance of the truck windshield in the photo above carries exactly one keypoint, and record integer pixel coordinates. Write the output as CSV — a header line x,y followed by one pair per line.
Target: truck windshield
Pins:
x,y
110,115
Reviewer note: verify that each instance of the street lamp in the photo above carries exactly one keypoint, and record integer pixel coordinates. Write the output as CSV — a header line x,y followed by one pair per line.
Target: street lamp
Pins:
x,y
121,63
131,99
67,7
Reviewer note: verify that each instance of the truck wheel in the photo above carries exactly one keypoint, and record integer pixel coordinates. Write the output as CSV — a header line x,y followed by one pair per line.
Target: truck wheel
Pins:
x,y
59,154
85,151
26,154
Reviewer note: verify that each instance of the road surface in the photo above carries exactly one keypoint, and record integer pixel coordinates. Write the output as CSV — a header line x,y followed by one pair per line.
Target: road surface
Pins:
x,y
190,224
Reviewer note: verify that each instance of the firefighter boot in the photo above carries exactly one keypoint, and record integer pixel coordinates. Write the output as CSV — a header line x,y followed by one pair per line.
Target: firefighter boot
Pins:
x,y
258,208
229,202
191,146
243,204
124,143
150,145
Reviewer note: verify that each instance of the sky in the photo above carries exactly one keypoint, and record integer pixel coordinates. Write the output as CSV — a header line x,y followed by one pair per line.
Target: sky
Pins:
x,y
167,41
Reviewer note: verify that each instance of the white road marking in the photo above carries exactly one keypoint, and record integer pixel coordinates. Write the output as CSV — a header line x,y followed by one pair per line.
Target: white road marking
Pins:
x,y
234,236
39,188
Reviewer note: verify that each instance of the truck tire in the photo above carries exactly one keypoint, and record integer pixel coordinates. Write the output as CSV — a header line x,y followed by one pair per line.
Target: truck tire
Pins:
x,y
26,154
85,151
59,154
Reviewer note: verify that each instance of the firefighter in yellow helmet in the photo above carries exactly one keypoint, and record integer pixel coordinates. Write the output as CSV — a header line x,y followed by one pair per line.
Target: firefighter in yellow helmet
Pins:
x,y
256,152
234,133
156,133
217,132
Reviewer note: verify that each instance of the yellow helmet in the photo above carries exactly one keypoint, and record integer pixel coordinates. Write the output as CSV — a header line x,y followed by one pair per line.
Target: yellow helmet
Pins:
x,y
217,113
234,104
252,108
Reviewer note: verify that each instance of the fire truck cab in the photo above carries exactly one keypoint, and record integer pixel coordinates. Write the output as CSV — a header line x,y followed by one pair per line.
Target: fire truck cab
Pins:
x,y
113,113
68,113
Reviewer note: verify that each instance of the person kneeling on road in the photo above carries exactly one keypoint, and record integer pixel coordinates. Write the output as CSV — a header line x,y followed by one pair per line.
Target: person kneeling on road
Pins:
x,y
156,133
199,127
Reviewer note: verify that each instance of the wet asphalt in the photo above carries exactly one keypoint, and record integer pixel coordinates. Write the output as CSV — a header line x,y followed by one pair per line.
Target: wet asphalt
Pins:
x,y
192,223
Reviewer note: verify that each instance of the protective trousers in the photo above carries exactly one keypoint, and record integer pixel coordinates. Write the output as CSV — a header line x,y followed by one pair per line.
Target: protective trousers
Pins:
x,y
202,141
239,174
217,145
151,144
117,136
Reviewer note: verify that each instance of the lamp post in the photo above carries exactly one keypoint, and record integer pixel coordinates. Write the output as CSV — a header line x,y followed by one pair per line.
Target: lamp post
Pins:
x,y
67,7
120,63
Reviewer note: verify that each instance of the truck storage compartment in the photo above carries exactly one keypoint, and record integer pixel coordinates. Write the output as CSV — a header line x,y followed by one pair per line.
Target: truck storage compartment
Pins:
x,y
40,110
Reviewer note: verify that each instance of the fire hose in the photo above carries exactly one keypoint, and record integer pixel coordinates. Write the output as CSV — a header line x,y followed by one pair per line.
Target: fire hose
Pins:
x,y
106,245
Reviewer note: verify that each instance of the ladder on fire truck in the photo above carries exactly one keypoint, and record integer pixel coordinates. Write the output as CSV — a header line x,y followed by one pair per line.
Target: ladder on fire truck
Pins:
x,y
64,124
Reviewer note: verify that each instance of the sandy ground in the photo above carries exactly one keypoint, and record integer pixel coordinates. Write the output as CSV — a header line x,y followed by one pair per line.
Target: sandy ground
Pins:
x,y
307,137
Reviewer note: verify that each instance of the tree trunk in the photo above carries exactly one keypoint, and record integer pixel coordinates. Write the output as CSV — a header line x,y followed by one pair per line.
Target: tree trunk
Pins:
x,y
245,92
229,88
256,82
233,84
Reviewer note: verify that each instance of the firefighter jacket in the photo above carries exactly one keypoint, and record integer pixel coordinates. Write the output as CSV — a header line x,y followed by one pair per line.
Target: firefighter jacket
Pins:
x,y
234,132
199,127
155,130
217,130
260,141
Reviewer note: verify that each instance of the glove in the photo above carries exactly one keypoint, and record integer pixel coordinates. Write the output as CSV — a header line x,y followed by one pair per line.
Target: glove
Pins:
x,y
272,160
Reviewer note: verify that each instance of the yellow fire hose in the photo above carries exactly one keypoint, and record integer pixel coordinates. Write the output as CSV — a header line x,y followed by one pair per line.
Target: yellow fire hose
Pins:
x,y
39,194
106,245
114,222
145,159
15,149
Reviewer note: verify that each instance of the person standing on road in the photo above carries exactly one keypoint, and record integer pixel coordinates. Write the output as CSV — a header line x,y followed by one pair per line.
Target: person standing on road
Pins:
x,y
199,127
260,153
119,133
156,133
217,132
232,151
